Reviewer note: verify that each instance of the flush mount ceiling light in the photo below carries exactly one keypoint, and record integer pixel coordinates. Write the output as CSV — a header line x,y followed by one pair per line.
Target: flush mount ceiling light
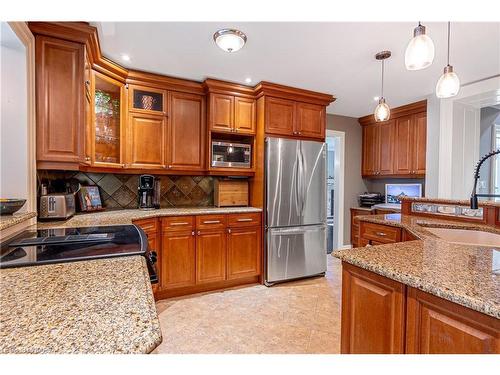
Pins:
x,y
125,57
230,40
448,84
382,111
420,50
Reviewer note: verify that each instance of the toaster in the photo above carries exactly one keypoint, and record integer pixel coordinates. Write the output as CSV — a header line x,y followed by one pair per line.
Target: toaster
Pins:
x,y
56,206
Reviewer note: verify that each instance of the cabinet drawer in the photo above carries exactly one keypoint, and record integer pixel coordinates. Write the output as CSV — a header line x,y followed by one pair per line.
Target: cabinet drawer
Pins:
x,y
243,220
380,233
177,223
210,222
149,226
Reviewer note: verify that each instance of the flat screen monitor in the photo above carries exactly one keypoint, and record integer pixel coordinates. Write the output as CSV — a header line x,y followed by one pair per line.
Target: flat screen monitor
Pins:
x,y
393,192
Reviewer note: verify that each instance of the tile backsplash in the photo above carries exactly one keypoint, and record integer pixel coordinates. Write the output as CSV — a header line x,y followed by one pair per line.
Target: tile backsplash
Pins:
x,y
120,190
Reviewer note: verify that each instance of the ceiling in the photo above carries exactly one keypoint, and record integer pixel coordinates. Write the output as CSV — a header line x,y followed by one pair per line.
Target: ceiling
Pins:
x,y
334,57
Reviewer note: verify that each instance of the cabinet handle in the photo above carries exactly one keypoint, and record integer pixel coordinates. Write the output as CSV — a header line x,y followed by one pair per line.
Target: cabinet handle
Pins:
x,y
245,219
381,234
211,222
169,167
229,231
192,233
199,233
87,82
300,133
87,158
123,165
180,223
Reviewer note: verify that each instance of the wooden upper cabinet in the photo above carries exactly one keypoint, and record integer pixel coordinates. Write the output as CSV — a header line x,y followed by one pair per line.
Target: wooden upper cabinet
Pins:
x,y
437,326
419,143
385,147
373,313
370,150
244,115
311,120
221,112
148,100
279,116
107,121
403,140
210,256
187,133
399,147
60,102
146,139
243,252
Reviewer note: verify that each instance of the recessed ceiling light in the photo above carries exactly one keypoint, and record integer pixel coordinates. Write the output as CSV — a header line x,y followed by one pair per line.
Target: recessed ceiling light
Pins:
x,y
376,98
125,57
248,80
230,40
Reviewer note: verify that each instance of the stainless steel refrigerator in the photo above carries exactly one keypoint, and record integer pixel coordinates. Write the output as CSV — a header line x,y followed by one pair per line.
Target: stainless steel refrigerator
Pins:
x,y
295,209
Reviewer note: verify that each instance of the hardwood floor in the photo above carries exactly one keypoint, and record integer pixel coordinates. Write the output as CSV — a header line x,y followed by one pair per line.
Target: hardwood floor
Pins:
x,y
295,317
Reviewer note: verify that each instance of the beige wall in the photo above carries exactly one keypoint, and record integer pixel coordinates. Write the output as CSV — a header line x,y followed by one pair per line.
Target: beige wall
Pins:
x,y
353,184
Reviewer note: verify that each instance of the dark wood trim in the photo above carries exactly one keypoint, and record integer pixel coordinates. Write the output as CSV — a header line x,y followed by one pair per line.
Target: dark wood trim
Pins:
x,y
404,110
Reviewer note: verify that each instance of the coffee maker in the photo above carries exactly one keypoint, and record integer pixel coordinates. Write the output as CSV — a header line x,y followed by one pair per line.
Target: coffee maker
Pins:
x,y
149,192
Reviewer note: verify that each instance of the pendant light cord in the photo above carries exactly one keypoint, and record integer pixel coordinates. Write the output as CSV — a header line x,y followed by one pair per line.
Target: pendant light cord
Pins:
x,y
382,79
448,63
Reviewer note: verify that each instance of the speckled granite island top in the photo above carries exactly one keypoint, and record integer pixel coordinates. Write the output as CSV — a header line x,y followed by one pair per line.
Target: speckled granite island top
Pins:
x,y
459,273
127,216
96,306
7,221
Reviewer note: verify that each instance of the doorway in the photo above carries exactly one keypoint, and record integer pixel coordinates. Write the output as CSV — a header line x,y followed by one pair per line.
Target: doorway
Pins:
x,y
335,142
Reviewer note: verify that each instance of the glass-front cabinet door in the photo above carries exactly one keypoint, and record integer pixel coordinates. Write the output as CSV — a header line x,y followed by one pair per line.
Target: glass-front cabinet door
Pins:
x,y
147,100
107,121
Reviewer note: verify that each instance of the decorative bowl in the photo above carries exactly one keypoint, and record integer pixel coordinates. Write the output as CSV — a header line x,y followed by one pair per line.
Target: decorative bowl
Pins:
x,y
9,206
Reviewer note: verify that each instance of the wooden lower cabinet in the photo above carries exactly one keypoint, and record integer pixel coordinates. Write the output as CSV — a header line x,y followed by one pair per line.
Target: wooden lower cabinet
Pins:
x,y
383,316
178,259
243,252
210,256
373,313
437,326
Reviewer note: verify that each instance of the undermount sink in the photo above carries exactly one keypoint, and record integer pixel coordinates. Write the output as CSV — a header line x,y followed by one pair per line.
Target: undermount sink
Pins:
x,y
467,237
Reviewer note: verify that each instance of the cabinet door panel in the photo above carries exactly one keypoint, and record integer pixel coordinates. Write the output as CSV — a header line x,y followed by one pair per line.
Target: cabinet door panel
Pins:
x,y
146,141
244,115
178,260
187,138
386,148
370,147
210,256
373,313
221,112
419,142
279,116
403,151
60,100
243,253
311,120
437,326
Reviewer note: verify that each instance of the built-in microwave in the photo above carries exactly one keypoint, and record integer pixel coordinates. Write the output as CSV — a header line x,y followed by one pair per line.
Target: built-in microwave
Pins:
x,y
232,155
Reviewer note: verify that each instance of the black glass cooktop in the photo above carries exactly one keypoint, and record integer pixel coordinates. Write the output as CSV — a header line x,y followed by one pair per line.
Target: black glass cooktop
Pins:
x,y
71,244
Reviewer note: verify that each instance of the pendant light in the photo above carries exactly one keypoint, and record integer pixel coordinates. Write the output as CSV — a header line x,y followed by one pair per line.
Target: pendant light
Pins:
x,y
382,111
230,40
420,50
448,84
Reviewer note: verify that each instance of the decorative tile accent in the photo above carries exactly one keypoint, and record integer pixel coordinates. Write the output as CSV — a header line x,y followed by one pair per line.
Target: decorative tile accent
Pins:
x,y
120,190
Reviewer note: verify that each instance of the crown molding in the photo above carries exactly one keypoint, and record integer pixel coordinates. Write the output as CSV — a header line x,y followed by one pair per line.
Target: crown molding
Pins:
x,y
403,110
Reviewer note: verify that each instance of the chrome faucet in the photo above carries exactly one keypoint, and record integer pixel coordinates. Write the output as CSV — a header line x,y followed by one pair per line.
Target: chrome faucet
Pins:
x,y
473,197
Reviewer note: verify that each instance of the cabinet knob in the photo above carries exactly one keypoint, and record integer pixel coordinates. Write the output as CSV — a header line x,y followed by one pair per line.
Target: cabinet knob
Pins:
x,y
229,231
169,167
199,233
192,233
87,158
300,133
123,165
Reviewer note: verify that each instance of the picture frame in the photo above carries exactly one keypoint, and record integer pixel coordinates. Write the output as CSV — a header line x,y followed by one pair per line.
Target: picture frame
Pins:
x,y
90,198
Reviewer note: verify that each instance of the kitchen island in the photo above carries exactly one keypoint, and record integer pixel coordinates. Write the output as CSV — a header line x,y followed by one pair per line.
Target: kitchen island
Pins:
x,y
95,306
421,296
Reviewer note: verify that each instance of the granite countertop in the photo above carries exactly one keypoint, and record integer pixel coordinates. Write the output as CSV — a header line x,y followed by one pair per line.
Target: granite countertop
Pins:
x,y
95,306
127,216
7,221
482,202
459,273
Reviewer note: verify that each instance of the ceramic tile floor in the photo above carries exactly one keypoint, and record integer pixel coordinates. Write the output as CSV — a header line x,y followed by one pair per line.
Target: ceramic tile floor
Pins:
x,y
295,317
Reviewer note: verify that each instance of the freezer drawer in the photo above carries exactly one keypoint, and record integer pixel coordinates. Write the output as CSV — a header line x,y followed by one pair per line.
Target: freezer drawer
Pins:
x,y
295,252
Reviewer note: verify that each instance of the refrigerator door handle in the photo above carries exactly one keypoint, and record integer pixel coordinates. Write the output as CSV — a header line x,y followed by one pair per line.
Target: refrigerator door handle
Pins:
x,y
302,185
